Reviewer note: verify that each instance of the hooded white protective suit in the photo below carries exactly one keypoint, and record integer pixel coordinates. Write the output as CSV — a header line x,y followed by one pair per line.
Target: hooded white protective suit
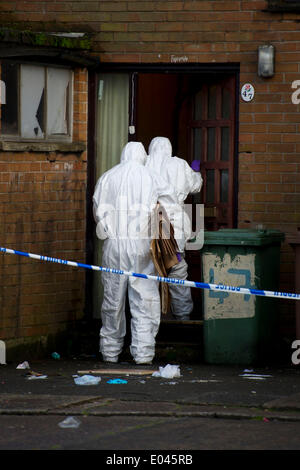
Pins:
x,y
184,181
123,200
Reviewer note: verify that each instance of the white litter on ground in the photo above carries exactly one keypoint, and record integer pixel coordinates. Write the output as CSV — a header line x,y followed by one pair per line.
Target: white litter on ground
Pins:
x,y
203,381
87,380
23,365
255,376
168,372
69,422
169,383
36,377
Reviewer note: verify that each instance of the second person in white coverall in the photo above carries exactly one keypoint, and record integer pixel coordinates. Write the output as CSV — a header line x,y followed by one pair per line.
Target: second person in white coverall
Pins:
x,y
123,200
184,180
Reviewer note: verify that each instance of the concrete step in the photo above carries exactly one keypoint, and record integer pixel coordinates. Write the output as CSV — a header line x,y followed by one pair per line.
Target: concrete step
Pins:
x,y
179,341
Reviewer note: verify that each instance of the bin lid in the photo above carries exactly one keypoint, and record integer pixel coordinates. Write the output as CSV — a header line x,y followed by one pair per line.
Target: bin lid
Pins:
x,y
243,237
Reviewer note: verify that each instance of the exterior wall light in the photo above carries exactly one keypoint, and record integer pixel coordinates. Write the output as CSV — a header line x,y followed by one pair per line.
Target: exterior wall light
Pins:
x,y
266,61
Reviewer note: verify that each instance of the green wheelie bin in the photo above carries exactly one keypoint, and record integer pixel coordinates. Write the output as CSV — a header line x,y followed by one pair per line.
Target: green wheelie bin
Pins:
x,y
240,328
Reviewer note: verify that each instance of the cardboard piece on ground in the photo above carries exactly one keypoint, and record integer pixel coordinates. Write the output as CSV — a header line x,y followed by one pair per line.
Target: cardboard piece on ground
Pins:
x,y
117,371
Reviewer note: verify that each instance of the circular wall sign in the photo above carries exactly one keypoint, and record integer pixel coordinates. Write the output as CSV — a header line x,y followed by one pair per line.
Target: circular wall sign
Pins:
x,y
247,92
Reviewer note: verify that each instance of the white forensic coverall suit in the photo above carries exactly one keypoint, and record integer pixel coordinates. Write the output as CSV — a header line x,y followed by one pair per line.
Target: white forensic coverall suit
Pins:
x,y
184,180
123,199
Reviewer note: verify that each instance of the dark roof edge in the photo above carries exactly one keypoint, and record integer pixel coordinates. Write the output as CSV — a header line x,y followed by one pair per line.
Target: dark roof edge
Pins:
x,y
57,40
52,46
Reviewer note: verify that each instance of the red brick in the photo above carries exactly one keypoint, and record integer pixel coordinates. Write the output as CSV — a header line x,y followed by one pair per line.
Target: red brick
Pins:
x,y
266,178
254,207
259,187
252,147
253,128
277,147
225,5
281,128
268,197
281,188
265,218
253,167
291,137
267,138
245,197
198,5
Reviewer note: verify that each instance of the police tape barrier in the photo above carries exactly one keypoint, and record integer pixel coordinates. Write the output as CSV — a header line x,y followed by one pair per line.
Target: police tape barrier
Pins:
x,y
168,280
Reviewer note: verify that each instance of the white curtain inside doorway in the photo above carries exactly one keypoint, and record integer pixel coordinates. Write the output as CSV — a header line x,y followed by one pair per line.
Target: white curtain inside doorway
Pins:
x,y
112,135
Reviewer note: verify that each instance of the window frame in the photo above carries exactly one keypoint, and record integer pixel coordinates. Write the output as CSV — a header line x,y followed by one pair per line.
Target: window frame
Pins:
x,y
67,138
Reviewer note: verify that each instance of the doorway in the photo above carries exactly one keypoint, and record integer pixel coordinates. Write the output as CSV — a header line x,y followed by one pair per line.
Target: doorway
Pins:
x,y
197,111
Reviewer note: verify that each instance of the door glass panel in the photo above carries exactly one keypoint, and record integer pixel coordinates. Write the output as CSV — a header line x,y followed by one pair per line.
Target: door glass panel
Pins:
x,y
225,104
224,186
197,143
225,144
211,144
210,186
198,106
212,98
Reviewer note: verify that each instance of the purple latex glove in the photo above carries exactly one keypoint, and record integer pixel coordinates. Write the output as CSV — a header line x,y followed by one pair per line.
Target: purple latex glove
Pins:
x,y
178,257
195,165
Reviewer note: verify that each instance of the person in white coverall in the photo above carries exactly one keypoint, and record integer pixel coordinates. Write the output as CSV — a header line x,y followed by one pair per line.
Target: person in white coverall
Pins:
x,y
184,180
122,202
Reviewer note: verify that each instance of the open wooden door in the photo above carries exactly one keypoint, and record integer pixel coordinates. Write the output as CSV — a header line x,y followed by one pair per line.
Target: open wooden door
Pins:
x,y
207,133
197,113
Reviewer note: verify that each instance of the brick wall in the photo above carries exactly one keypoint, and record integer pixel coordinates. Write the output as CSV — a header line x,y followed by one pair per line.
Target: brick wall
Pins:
x,y
210,32
42,207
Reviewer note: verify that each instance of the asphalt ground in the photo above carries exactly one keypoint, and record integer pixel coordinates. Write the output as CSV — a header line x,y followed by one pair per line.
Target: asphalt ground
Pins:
x,y
207,408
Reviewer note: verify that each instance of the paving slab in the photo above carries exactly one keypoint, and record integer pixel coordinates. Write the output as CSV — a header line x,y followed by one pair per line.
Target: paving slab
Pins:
x,y
12,403
291,402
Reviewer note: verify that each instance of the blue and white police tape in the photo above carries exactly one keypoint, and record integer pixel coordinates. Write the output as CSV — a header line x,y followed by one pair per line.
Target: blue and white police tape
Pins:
x,y
168,280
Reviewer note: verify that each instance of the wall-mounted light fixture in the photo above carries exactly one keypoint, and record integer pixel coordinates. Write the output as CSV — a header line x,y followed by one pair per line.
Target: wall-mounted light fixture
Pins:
x,y
266,61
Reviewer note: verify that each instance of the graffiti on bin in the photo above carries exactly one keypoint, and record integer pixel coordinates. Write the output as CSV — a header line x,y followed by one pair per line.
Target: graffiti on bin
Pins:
x,y
223,294
237,272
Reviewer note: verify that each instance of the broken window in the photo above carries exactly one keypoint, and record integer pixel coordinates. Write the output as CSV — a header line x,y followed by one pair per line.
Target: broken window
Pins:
x,y
38,101
32,101
58,87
